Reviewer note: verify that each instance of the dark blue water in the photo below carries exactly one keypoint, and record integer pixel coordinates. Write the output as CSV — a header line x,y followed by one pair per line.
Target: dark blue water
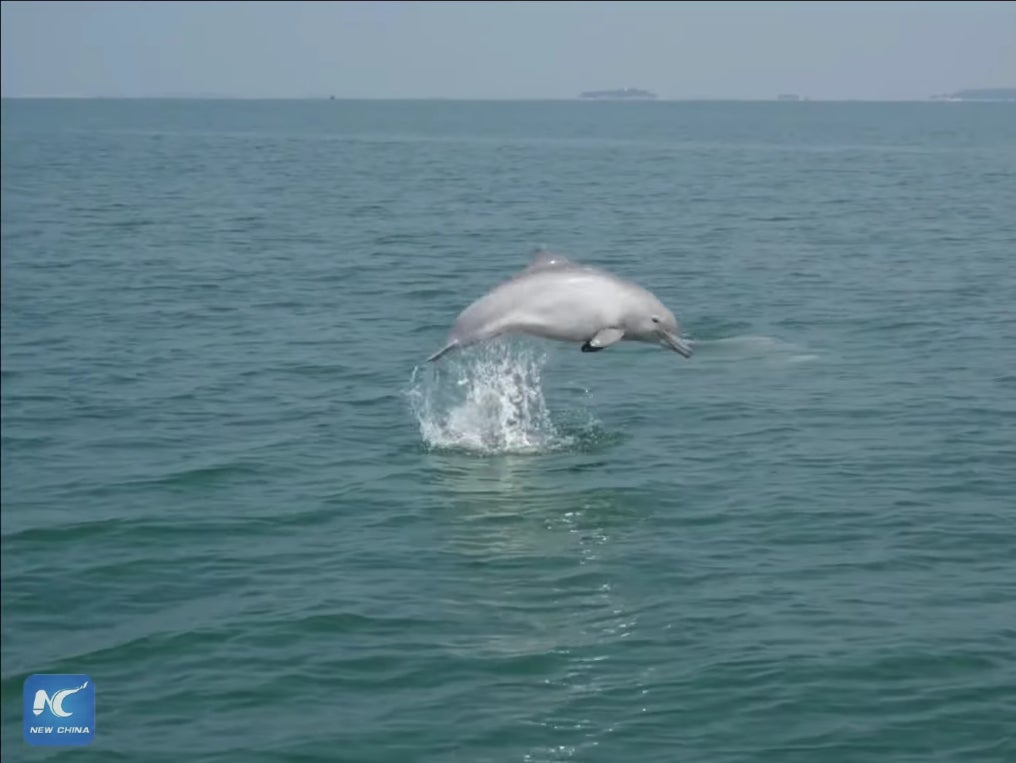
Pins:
x,y
235,496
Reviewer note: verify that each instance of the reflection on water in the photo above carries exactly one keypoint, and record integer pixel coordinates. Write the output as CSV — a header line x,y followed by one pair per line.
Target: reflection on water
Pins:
x,y
513,504
550,562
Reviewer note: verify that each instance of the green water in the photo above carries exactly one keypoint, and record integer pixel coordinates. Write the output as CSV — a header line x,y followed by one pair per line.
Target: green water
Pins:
x,y
235,496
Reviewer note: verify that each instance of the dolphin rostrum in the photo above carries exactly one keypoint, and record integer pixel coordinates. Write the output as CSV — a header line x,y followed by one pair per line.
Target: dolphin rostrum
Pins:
x,y
556,298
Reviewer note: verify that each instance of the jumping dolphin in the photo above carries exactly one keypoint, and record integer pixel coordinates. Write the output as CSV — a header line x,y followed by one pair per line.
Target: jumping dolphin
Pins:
x,y
556,298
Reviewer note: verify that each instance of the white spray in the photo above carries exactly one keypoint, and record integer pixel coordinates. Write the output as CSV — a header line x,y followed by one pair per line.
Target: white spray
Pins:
x,y
488,399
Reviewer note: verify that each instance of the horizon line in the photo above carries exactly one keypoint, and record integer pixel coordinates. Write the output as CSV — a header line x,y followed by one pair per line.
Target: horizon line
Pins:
x,y
487,99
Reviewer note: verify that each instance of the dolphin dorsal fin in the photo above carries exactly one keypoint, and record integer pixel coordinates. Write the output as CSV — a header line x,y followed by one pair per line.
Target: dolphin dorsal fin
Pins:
x,y
543,258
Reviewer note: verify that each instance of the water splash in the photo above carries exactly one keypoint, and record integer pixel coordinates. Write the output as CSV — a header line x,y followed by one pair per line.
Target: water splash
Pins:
x,y
487,399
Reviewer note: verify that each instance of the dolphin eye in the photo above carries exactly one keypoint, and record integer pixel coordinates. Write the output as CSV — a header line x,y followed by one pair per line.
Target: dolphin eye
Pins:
x,y
655,319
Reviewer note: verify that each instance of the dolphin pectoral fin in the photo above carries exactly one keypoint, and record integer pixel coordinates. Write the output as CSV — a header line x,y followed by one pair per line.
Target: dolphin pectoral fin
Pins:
x,y
603,339
443,351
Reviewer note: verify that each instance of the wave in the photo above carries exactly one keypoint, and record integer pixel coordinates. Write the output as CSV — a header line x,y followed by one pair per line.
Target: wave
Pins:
x,y
753,346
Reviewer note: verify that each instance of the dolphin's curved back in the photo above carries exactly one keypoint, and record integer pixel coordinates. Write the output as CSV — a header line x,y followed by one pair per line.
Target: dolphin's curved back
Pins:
x,y
543,260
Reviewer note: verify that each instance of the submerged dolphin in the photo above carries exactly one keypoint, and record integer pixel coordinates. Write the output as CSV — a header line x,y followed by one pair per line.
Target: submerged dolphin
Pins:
x,y
556,298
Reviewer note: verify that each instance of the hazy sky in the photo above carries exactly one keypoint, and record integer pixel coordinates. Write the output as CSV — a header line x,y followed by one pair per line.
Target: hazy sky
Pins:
x,y
877,50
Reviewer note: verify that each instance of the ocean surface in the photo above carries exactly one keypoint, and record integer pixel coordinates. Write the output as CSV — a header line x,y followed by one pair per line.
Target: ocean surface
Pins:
x,y
235,495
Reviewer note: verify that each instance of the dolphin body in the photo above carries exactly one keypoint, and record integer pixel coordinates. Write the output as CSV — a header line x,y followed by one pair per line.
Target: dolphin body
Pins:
x,y
556,298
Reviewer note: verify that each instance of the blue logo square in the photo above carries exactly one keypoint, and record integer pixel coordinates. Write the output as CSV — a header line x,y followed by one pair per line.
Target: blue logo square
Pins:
x,y
59,710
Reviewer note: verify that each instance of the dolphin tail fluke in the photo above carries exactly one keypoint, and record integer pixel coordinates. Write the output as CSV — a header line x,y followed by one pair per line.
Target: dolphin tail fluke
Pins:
x,y
443,351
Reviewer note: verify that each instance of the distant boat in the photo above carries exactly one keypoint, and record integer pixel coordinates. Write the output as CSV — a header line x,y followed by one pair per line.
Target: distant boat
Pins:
x,y
625,94
788,97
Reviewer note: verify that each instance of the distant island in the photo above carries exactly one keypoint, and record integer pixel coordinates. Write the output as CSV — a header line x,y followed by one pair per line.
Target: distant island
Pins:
x,y
979,94
625,94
